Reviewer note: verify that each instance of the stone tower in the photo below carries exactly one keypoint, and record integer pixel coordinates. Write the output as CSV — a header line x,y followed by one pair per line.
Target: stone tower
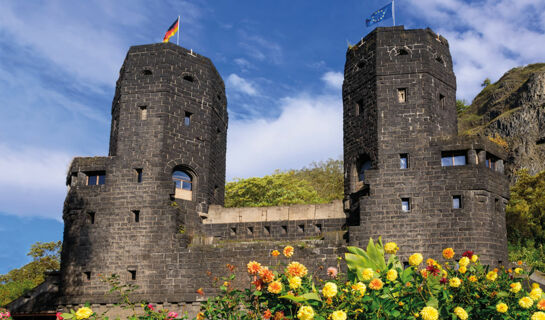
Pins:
x,y
408,176
130,213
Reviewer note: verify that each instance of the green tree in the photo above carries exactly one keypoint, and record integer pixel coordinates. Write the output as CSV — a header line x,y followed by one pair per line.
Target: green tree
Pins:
x,y
45,258
486,83
326,177
282,188
526,209
461,106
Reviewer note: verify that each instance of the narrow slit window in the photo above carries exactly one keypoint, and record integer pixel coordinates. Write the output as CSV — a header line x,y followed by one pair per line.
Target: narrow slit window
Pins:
x,y
267,230
403,161
402,95
143,112
301,228
132,274
250,230
284,229
87,275
442,101
359,107
138,175
91,217
406,204
187,118
136,215
456,202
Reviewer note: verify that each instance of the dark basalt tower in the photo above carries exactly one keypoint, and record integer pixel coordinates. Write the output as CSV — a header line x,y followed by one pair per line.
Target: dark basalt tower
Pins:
x,y
408,176
169,116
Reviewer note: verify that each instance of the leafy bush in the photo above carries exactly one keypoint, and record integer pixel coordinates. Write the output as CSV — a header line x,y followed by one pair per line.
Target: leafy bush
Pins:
x,y
376,288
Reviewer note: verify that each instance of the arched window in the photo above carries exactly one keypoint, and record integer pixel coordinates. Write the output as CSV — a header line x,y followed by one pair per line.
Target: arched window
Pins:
x,y
362,166
184,185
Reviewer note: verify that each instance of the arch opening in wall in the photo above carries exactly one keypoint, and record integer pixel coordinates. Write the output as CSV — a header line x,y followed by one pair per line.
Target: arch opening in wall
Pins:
x,y
402,52
147,72
184,184
362,163
189,78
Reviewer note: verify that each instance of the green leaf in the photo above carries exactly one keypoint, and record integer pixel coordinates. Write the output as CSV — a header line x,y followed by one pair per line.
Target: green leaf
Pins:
x,y
303,298
502,294
67,316
356,251
354,261
257,293
433,302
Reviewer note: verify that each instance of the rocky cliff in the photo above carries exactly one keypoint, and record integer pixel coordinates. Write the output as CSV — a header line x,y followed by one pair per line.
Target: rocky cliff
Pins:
x,y
512,113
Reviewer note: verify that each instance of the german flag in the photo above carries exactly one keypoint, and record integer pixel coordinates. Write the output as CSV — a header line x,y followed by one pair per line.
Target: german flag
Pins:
x,y
172,30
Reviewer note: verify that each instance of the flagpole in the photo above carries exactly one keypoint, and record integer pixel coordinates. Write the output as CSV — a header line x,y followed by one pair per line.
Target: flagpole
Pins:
x,y
394,12
178,37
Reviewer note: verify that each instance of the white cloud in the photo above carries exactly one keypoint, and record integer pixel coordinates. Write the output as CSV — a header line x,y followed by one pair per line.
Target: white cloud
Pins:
x,y
308,129
486,38
239,84
333,79
33,181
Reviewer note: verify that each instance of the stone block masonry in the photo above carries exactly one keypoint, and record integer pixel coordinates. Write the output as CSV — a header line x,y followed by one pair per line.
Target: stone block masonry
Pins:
x,y
151,211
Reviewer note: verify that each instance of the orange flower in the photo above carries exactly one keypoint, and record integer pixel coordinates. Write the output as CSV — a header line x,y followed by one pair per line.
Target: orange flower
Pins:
x,y
541,305
258,284
448,253
295,269
376,284
519,262
275,253
279,315
266,274
253,267
200,291
200,316
275,287
267,314
288,251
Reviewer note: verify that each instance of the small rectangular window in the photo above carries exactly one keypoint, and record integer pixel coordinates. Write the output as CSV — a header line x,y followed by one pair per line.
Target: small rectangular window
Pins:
x,y
187,118
402,95
233,231
453,158
490,161
267,230
405,204
136,215
441,101
91,217
143,113
301,228
87,275
284,229
95,178
359,107
250,230
138,175
132,274
403,161
456,202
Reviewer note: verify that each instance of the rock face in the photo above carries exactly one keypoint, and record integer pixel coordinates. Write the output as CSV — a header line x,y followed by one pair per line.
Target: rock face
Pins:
x,y
513,108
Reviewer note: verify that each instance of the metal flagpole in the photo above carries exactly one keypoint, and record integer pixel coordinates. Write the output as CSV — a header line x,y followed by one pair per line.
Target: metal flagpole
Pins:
x,y
178,38
394,12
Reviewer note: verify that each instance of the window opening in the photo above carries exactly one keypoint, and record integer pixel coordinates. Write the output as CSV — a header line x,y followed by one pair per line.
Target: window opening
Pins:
x,y
359,107
439,59
267,230
143,113
184,185
402,95
301,228
233,231
405,204
250,230
96,178
133,274
456,202
441,101
138,175
87,275
403,161
187,118
189,78
318,227
136,215
402,52
363,165
490,161
284,229
361,64
147,72
540,141
91,217
453,158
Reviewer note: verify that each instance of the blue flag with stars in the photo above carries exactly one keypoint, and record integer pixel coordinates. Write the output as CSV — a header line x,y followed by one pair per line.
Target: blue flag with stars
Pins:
x,y
379,15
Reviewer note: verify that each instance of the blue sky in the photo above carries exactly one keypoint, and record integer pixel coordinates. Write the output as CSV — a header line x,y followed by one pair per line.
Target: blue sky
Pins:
x,y
282,63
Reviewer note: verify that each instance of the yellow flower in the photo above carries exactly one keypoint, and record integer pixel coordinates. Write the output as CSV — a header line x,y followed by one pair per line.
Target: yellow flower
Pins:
x,y
518,270
501,307
391,247
415,259
429,313
376,284
461,313
526,302
448,253
455,282
253,267
340,315
288,251
391,275
305,313
275,287
492,276
515,287
464,261
367,274
200,316
329,290
472,279
535,285
538,316
295,282
295,269
474,258
462,269
83,313
541,305
535,294
275,253
359,287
